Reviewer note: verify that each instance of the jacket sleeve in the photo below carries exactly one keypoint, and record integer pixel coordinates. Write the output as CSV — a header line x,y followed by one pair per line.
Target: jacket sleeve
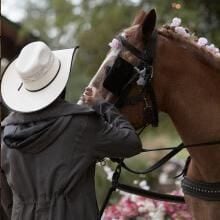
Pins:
x,y
113,136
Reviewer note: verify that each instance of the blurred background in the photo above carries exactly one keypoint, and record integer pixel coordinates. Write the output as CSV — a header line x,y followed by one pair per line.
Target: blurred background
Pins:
x,y
92,24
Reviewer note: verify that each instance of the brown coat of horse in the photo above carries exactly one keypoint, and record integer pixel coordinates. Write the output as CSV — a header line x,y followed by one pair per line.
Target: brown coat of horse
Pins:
x,y
186,82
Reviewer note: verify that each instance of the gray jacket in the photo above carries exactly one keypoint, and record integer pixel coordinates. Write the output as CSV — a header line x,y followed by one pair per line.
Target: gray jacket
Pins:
x,y
48,159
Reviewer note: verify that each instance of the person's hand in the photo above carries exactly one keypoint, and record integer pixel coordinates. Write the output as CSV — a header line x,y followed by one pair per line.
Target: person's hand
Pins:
x,y
91,96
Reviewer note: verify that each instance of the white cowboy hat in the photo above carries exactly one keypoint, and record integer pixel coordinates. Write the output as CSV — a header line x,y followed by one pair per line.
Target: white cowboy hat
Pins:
x,y
36,77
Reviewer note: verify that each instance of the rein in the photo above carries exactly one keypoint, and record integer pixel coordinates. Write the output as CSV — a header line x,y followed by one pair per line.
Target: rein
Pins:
x,y
163,160
207,191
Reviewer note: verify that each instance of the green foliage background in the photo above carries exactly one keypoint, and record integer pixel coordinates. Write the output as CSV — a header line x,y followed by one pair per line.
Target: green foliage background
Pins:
x,y
93,23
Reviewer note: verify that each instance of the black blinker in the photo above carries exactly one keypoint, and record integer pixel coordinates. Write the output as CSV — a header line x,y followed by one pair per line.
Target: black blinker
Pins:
x,y
118,75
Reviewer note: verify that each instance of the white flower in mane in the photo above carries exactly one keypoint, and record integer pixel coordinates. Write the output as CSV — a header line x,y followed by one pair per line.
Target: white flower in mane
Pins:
x,y
175,22
182,31
211,48
202,41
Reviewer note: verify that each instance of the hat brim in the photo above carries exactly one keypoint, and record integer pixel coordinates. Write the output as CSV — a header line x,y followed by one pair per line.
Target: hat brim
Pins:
x,y
22,100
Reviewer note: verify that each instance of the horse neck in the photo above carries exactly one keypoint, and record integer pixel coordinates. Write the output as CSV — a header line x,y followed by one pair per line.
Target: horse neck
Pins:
x,y
188,90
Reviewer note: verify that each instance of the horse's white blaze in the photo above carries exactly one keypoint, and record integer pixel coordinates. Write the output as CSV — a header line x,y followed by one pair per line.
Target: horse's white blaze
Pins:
x,y
108,61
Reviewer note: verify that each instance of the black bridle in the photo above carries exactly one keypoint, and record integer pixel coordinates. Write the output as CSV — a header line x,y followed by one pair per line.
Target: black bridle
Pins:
x,y
206,191
146,57
122,75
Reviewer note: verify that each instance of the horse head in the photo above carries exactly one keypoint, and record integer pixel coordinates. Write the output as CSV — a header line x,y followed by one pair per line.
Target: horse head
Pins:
x,y
124,78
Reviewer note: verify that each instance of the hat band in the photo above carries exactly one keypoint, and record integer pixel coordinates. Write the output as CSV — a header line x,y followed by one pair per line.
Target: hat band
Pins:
x,y
37,90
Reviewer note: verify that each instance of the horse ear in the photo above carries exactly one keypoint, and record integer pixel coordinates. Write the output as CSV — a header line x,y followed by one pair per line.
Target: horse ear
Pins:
x,y
149,23
139,18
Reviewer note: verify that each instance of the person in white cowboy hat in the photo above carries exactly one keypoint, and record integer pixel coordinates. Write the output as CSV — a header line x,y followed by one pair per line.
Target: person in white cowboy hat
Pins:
x,y
49,146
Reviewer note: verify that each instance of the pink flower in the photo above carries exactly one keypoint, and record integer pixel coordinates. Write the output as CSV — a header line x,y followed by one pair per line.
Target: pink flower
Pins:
x,y
115,44
175,22
202,41
182,31
128,208
112,212
132,206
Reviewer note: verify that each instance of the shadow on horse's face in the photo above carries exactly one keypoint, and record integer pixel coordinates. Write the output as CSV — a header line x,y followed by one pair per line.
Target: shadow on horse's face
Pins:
x,y
120,78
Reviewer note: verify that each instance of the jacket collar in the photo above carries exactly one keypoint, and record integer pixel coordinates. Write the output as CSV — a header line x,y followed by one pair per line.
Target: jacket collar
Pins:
x,y
57,109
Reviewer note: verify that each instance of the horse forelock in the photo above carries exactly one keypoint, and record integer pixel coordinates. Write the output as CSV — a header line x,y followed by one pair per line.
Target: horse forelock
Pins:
x,y
201,52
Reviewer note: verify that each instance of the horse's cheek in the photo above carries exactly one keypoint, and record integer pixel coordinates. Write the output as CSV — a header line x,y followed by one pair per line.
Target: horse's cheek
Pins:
x,y
135,114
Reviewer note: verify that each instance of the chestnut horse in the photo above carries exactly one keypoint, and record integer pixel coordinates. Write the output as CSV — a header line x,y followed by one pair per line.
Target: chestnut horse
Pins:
x,y
186,82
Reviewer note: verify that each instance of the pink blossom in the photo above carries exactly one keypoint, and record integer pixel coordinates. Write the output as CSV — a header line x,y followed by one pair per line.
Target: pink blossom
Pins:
x,y
115,44
112,212
182,31
128,208
202,41
137,207
175,22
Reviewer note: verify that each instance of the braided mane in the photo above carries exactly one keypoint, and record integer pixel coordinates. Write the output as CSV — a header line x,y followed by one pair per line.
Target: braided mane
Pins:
x,y
212,59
